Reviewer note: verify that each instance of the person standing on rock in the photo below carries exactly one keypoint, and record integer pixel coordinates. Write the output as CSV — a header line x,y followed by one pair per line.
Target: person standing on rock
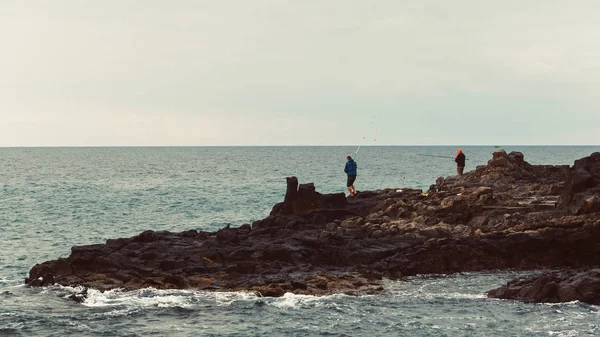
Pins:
x,y
350,169
460,162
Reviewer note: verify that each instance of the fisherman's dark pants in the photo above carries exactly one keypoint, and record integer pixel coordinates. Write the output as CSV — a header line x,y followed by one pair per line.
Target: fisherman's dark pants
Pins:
x,y
350,181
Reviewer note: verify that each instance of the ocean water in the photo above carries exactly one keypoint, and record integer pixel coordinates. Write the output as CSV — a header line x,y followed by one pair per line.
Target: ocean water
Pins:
x,y
54,198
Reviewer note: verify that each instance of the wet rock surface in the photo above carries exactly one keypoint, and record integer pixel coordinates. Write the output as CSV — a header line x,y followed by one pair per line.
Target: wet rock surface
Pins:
x,y
508,214
560,286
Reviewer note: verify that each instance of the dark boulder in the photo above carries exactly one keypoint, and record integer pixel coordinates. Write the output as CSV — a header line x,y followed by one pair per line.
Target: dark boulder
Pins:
x,y
553,287
582,191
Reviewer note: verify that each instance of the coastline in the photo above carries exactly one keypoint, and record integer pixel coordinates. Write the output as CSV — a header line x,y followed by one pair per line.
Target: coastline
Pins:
x,y
504,215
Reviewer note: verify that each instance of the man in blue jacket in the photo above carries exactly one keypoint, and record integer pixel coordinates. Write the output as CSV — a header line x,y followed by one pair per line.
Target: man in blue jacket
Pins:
x,y
350,169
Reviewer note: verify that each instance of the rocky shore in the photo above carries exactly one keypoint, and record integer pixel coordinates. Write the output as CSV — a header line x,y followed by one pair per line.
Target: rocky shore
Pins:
x,y
507,214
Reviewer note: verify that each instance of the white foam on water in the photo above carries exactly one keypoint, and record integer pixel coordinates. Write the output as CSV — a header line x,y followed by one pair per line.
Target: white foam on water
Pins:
x,y
396,288
440,295
467,286
62,290
290,300
228,298
150,297
464,296
561,304
568,333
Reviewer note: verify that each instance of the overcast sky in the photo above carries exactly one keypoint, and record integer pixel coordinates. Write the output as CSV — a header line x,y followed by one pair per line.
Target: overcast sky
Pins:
x,y
267,72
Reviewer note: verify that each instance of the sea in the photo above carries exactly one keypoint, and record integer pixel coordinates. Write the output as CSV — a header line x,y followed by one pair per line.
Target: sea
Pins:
x,y
52,199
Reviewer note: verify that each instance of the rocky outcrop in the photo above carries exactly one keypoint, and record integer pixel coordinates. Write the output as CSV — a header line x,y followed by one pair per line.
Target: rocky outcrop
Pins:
x,y
560,286
502,215
289,251
510,172
304,198
582,192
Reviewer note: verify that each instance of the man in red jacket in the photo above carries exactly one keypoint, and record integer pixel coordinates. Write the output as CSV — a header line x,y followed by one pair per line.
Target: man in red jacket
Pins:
x,y
460,162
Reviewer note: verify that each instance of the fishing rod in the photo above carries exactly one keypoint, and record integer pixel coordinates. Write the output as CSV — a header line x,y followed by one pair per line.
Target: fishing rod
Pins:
x,y
356,154
432,155
373,118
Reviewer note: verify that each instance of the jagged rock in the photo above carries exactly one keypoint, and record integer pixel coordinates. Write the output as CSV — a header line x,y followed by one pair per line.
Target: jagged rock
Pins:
x,y
353,222
582,191
227,235
336,200
438,231
483,190
80,296
457,203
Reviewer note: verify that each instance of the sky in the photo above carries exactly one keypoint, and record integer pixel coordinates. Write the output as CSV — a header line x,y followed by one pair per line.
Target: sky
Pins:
x,y
304,72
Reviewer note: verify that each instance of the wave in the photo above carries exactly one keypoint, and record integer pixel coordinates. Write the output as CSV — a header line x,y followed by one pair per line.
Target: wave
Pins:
x,y
150,297
294,301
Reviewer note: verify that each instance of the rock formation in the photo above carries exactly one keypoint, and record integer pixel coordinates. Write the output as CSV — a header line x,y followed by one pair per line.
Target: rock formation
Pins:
x,y
507,214
582,192
553,287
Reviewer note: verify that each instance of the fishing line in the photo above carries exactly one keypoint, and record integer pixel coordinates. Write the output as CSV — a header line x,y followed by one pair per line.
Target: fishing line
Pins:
x,y
433,155
373,118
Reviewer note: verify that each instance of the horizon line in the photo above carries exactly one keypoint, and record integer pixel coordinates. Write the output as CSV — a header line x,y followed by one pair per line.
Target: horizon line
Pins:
x,y
347,145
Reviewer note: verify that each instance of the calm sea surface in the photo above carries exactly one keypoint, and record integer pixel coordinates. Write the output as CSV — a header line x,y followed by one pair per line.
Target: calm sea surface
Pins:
x,y
54,198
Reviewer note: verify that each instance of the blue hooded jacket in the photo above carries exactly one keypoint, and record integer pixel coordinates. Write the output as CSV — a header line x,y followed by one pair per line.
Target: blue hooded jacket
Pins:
x,y
350,167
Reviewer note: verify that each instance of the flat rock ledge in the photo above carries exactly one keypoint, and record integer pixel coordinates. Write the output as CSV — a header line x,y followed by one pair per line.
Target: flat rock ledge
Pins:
x,y
507,214
554,287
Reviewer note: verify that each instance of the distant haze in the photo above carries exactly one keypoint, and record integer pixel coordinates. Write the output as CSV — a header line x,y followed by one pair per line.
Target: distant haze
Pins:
x,y
266,72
